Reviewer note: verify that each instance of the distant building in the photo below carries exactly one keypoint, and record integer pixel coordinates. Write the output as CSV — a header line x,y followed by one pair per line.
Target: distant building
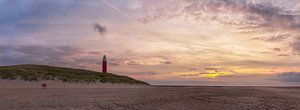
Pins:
x,y
104,65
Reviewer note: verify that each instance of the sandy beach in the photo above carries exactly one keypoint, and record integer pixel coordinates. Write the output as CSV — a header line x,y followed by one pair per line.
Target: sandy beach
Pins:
x,y
20,95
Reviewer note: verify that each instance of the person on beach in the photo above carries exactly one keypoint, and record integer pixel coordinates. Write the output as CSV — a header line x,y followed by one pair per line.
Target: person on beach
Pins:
x,y
44,85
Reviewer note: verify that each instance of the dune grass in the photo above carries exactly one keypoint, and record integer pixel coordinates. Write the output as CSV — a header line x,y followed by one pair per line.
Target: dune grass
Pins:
x,y
43,72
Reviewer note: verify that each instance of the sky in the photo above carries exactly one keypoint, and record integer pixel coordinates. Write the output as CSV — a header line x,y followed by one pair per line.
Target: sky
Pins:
x,y
162,42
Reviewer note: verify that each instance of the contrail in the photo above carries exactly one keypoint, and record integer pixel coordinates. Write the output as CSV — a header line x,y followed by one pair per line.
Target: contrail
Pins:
x,y
116,8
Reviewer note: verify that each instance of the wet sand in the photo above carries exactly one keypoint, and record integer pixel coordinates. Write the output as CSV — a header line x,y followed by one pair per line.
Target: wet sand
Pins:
x,y
126,97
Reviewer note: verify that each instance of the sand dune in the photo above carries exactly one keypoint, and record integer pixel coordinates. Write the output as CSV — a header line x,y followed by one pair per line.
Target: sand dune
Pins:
x,y
126,97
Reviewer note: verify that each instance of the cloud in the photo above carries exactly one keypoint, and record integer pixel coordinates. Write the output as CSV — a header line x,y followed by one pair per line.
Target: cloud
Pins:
x,y
283,55
37,54
190,75
99,28
215,69
142,73
13,12
219,71
276,49
275,38
38,50
245,15
239,75
209,72
295,45
131,62
289,77
146,60
257,63
95,53
166,62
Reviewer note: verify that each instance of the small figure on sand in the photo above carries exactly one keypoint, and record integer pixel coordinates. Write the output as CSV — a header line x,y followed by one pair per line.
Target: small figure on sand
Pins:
x,y
44,85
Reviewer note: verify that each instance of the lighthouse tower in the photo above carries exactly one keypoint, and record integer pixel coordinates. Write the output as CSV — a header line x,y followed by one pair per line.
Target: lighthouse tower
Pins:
x,y
104,65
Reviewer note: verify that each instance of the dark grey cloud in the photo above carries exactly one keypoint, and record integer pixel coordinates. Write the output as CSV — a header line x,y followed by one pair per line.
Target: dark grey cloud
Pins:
x,y
37,54
57,51
219,71
208,70
289,77
166,62
272,17
276,49
211,69
190,75
215,71
283,55
295,45
99,28
239,75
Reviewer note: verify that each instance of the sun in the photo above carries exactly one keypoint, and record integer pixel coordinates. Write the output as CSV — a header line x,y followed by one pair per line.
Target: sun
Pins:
x,y
212,75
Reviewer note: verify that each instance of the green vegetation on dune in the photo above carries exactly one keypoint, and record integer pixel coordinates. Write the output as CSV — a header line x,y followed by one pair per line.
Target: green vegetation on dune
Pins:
x,y
43,72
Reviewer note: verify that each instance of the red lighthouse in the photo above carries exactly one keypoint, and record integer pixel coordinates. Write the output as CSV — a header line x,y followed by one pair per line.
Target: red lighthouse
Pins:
x,y
104,65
